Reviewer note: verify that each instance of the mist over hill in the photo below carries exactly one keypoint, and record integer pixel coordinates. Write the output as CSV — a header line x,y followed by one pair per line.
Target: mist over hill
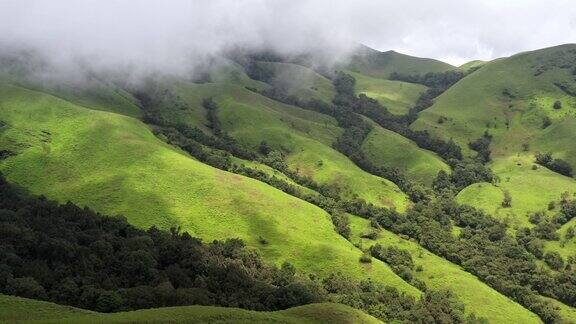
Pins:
x,y
288,161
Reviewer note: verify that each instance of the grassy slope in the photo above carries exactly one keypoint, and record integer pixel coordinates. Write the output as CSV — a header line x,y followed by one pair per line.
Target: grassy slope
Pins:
x,y
559,139
531,190
114,164
15,309
308,136
386,148
95,94
381,64
271,172
477,102
439,273
301,81
397,96
472,65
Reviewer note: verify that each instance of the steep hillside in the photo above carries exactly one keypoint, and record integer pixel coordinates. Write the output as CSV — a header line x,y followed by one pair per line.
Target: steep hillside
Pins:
x,y
381,64
114,164
17,310
386,148
509,98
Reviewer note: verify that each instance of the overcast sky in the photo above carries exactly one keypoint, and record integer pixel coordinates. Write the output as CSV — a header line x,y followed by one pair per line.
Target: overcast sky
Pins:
x,y
167,34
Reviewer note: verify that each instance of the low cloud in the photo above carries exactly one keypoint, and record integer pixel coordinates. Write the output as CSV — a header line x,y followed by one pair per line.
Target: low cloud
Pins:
x,y
177,36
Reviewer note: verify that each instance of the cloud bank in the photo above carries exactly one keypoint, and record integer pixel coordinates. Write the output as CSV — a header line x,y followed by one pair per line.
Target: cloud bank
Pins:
x,y
175,36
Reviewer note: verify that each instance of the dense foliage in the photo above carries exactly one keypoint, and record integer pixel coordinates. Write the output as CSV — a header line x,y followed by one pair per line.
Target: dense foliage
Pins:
x,y
484,249
482,146
556,165
75,256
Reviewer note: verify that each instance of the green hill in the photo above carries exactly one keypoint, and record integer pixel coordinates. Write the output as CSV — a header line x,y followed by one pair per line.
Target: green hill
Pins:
x,y
509,98
531,190
381,64
115,165
16,309
476,64
22,310
85,143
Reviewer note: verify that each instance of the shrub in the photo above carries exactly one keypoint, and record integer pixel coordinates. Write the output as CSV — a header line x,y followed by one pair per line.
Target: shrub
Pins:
x,y
366,258
546,121
371,235
557,104
554,260
570,233
507,202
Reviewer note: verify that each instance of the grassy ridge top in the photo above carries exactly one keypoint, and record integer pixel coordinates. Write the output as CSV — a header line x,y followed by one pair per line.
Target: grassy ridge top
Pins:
x,y
16,309
115,165
381,64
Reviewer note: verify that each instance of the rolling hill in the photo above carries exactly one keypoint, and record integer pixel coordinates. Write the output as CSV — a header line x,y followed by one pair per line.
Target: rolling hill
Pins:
x,y
305,136
382,64
87,142
22,310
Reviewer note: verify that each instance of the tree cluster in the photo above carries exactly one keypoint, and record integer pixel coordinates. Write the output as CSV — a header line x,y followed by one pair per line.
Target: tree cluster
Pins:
x,y
556,165
482,147
436,80
212,116
484,249
464,174
389,305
